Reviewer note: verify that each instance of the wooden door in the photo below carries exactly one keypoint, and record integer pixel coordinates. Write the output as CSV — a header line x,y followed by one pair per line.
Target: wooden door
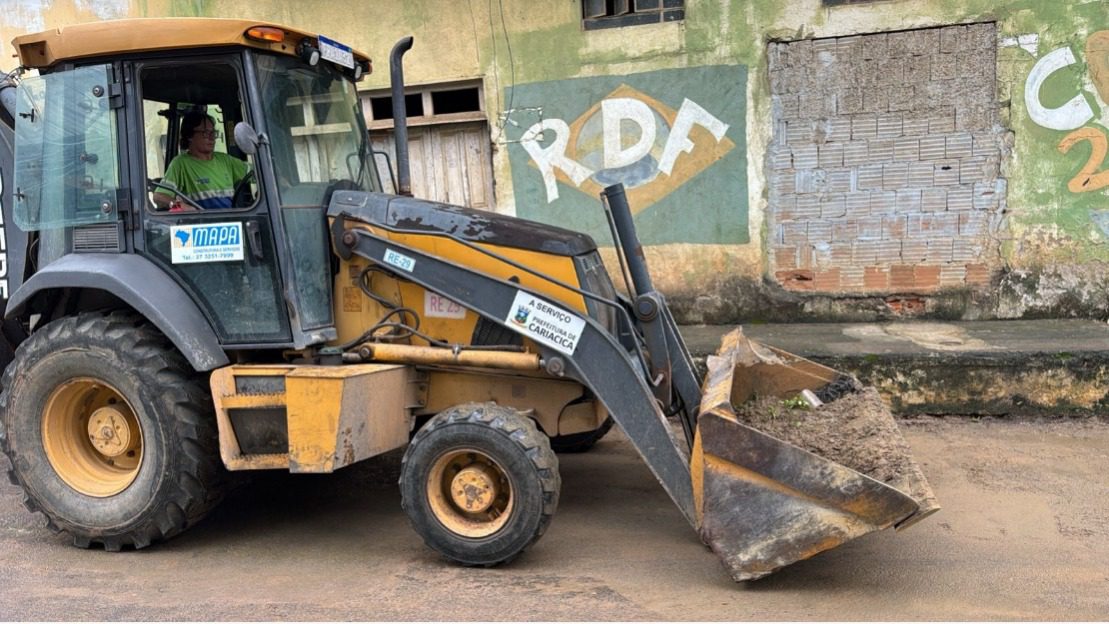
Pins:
x,y
451,163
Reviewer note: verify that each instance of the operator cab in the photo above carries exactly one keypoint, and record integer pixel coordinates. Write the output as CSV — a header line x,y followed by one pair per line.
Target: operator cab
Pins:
x,y
103,118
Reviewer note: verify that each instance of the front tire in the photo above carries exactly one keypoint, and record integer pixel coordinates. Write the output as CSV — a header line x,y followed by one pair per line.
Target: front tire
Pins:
x,y
109,431
479,483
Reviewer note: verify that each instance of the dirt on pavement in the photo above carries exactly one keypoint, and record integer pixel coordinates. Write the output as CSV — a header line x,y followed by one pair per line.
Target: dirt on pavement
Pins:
x,y
1022,535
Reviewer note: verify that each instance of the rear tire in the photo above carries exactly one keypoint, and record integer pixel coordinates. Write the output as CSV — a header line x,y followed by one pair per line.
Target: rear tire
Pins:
x,y
71,384
479,483
581,442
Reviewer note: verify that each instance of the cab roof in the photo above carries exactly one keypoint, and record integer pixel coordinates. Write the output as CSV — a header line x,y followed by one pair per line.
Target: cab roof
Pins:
x,y
116,37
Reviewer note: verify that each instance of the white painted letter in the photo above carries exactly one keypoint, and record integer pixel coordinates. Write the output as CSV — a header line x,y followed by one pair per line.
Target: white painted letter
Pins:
x,y
1074,114
613,114
554,155
690,113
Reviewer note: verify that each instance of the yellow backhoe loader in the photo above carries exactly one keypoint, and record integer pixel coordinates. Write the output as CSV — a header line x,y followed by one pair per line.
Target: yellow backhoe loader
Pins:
x,y
307,320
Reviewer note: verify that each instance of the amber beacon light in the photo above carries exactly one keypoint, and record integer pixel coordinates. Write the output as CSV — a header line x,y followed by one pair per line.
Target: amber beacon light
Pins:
x,y
266,33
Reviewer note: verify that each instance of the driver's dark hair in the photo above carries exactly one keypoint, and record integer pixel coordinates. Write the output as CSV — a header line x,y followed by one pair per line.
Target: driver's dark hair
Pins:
x,y
189,123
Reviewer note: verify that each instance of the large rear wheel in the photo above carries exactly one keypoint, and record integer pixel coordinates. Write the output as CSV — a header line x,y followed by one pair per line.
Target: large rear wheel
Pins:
x,y
109,431
479,483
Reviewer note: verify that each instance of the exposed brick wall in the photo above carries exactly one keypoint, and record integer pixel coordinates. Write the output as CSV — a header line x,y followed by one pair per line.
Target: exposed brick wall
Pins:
x,y
884,168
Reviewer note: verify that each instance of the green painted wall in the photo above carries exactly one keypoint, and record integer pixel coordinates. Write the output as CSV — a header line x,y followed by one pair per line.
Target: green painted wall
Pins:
x,y
519,46
1053,220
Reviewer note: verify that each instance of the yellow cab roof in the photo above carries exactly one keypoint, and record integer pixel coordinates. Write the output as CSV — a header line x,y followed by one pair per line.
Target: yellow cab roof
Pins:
x,y
115,37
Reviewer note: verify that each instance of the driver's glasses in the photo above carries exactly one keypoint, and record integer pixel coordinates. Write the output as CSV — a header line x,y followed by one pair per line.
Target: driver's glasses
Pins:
x,y
211,134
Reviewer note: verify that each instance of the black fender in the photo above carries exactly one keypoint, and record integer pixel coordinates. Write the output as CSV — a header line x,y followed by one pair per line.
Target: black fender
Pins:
x,y
142,285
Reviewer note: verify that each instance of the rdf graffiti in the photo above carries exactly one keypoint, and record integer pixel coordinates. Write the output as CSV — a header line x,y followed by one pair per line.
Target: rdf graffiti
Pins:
x,y
675,139
618,115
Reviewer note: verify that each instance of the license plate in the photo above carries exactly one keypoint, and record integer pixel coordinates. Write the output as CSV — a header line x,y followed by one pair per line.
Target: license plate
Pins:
x,y
336,52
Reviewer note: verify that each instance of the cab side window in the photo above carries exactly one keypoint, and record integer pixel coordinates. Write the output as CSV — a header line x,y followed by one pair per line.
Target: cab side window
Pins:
x,y
189,113
66,151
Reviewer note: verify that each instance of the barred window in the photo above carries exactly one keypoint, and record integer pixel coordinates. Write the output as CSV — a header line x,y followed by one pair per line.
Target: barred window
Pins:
x,y
615,13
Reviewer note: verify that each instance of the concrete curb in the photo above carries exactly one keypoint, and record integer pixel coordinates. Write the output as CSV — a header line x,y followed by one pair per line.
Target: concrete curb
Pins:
x,y
1019,368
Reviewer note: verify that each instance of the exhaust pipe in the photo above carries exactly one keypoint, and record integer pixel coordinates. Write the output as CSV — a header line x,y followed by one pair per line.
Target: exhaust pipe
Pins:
x,y
400,115
627,241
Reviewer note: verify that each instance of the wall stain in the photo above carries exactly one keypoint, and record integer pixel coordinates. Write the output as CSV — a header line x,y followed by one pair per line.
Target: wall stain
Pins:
x,y
1049,230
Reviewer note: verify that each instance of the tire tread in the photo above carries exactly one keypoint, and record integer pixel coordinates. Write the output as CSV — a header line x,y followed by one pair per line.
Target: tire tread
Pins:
x,y
523,432
199,482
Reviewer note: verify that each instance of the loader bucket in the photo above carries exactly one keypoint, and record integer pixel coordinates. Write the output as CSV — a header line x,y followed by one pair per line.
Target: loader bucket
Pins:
x,y
763,502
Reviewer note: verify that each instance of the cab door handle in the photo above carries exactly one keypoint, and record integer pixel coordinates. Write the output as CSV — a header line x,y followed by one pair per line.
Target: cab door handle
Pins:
x,y
254,238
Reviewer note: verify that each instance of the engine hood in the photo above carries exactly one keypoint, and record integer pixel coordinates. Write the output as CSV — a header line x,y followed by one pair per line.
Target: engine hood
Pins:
x,y
478,226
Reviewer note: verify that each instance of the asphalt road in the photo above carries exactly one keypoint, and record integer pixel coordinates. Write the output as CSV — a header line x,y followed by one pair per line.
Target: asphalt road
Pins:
x,y
1024,534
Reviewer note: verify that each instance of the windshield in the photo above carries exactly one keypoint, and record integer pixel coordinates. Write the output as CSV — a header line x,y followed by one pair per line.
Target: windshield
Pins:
x,y
316,131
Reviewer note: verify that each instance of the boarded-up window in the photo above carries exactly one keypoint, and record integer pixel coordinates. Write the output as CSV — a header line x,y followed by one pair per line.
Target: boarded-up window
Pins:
x,y
448,141
615,13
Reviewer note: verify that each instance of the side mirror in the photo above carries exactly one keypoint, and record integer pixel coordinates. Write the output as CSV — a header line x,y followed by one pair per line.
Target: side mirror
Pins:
x,y
246,138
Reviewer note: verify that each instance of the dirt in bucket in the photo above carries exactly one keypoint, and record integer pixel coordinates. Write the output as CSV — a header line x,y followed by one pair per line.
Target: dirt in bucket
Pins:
x,y
856,430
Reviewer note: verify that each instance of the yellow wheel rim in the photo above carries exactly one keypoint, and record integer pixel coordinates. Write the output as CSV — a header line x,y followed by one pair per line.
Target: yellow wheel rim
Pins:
x,y
92,438
469,493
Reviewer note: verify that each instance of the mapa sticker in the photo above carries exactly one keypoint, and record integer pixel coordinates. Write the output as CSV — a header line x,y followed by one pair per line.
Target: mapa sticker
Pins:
x,y
206,242
545,322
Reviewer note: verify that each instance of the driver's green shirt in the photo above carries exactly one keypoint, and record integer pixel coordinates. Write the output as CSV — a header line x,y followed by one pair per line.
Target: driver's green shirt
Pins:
x,y
209,183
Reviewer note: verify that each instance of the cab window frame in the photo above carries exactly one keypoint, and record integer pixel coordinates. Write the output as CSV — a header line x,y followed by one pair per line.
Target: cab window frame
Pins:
x,y
285,163
225,127
58,144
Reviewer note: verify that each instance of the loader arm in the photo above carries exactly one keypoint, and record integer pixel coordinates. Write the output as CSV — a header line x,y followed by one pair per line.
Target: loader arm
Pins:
x,y
597,360
760,502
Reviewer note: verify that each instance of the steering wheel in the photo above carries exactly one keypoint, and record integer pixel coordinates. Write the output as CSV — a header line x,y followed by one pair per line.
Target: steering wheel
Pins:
x,y
155,184
243,197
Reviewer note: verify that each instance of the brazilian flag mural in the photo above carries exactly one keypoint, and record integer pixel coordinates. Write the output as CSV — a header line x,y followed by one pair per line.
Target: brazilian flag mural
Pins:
x,y
675,138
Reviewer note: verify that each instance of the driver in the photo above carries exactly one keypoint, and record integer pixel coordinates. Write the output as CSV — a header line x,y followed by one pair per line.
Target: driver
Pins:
x,y
203,175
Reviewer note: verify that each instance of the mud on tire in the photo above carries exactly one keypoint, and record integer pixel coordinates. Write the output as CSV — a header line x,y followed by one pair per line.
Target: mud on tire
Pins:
x,y
500,447
177,478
